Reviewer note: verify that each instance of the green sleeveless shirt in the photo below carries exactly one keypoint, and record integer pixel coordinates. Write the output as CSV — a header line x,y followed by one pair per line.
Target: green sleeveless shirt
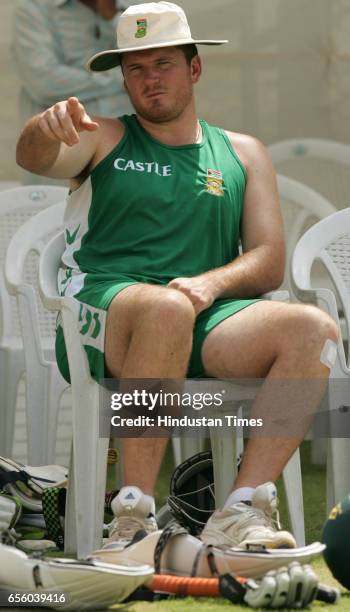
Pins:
x,y
153,212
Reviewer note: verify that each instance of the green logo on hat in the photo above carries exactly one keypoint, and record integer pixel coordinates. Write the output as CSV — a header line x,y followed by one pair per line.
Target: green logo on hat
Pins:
x,y
141,28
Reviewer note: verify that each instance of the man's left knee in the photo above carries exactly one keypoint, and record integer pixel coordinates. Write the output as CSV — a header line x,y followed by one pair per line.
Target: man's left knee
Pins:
x,y
319,335
320,325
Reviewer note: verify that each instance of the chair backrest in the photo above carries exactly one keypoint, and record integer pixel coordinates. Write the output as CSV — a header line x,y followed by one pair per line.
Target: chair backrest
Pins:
x,y
301,207
16,207
321,164
329,242
31,238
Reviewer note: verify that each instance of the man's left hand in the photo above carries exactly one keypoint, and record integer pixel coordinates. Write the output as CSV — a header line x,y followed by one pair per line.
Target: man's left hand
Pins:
x,y
199,290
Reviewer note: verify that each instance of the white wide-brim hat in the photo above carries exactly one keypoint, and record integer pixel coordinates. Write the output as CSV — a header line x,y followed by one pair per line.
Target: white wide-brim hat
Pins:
x,y
148,26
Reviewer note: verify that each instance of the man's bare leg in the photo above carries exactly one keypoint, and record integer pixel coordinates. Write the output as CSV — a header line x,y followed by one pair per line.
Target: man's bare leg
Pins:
x,y
282,342
148,335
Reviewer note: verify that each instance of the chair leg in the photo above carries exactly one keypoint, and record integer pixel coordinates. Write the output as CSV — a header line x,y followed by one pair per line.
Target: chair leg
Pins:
x,y
37,416
43,392
184,447
176,444
191,446
57,386
85,505
338,475
70,527
224,464
294,493
90,467
11,370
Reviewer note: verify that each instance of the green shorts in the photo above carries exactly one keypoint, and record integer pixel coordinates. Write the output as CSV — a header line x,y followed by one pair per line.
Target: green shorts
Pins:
x,y
94,301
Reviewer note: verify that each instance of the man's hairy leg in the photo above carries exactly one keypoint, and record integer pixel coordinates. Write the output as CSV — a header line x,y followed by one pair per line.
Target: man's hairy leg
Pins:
x,y
282,342
148,335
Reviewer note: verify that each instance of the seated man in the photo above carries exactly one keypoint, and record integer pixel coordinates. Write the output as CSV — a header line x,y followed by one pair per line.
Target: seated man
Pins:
x,y
158,202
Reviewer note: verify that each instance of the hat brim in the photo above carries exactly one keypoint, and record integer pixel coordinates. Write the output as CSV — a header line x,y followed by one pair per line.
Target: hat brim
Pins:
x,y
105,60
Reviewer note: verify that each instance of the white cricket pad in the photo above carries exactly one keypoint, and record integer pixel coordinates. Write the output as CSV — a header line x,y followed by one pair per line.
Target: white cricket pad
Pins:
x,y
185,555
88,585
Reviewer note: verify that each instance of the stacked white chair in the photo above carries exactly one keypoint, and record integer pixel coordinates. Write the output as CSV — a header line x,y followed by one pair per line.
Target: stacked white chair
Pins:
x,y
17,206
301,207
329,242
321,164
87,474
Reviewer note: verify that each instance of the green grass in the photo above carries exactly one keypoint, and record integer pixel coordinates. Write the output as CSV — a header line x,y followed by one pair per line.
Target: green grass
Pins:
x,y
220,605
314,493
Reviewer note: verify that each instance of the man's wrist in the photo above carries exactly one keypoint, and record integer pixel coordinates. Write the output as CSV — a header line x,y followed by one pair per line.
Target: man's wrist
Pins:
x,y
215,281
34,146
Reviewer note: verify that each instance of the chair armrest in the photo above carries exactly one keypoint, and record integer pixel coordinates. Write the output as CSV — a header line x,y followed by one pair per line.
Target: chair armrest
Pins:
x,y
278,296
48,267
77,357
324,298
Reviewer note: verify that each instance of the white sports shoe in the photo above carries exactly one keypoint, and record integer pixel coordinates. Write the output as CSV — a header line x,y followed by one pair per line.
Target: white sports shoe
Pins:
x,y
247,526
133,512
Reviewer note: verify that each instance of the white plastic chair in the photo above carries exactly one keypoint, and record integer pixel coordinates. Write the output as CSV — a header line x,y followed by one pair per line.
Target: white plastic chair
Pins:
x,y
85,504
329,242
321,164
87,475
301,207
44,383
16,207
5,185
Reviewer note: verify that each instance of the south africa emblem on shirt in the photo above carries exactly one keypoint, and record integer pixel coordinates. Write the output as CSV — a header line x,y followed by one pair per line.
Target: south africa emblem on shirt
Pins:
x,y
141,28
215,182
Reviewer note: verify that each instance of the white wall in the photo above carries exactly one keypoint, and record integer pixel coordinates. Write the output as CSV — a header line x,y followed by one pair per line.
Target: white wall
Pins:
x,y
284,73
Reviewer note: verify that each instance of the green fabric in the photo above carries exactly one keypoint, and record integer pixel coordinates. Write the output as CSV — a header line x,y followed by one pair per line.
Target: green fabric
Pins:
x,y
153,215
206,321
158,212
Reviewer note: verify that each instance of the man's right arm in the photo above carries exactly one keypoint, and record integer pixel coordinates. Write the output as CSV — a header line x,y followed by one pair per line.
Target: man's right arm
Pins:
x,y
60,142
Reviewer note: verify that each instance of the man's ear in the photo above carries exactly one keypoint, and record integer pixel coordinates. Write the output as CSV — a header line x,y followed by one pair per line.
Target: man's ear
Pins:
x,y
196,68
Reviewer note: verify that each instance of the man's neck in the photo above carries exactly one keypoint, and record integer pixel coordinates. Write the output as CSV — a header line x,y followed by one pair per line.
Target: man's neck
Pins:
x,y
180,131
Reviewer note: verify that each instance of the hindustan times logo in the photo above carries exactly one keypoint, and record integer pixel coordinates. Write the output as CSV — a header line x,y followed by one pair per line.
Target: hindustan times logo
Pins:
x,y
164,399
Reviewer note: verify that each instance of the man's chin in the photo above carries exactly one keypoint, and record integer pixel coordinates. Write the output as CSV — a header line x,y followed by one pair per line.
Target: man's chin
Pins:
x,y
160,115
